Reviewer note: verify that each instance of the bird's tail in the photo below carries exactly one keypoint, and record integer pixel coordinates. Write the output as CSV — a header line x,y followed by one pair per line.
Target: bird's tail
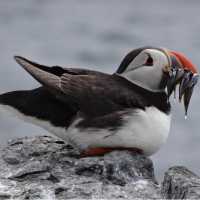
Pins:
x,y
36,105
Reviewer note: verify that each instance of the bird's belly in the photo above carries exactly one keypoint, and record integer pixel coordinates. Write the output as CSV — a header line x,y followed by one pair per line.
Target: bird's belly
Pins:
x,y
146,130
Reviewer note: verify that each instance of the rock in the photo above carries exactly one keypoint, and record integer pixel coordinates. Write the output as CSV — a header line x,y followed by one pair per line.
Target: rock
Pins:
x,y
46,168
180,183
43,167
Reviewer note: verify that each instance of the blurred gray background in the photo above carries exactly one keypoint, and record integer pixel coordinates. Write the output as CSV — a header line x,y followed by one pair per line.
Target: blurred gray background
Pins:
x,y
97,34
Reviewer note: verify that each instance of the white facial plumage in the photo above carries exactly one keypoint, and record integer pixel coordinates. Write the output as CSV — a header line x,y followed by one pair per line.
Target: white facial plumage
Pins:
x,y
147,68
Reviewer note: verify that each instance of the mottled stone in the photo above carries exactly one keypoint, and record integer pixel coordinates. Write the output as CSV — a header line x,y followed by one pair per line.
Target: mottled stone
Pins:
x,y
180,183
47,168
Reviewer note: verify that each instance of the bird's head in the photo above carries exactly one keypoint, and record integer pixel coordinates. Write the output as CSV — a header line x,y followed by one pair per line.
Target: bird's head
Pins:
x,y
159,69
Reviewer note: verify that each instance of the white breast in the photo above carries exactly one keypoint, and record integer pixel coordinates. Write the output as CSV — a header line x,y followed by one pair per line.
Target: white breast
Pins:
x,y
146,130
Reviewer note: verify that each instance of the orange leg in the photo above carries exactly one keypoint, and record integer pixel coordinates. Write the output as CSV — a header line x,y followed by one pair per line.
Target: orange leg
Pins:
x,y
100,151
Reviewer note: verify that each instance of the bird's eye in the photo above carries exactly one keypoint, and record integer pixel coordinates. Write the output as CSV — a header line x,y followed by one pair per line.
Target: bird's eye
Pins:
x,y
149,61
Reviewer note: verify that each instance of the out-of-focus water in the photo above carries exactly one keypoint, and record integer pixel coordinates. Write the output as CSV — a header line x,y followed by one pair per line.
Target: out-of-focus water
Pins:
x,y
97,34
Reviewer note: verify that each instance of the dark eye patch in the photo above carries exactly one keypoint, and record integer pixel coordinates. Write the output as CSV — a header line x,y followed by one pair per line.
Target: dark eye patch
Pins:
x,y
149,61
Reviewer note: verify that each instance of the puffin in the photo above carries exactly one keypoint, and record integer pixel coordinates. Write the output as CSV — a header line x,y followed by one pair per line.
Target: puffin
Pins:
x,y
97,112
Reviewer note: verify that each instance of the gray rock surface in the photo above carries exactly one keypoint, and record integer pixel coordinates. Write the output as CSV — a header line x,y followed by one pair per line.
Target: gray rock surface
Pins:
x,y
180,183
46,168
